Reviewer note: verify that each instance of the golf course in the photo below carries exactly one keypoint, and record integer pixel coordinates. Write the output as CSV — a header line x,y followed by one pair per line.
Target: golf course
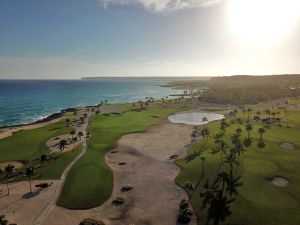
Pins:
x,y
238,169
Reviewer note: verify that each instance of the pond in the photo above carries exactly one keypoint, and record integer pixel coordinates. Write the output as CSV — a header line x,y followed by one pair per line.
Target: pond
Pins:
x,y
194,118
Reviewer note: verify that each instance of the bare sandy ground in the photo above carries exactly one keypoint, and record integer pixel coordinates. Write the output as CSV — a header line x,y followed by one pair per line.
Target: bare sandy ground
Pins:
x,y
287,145
53,143
19,207
16,164
280,181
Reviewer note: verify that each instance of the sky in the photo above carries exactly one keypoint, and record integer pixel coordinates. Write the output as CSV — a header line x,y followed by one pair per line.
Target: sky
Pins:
x,y
70,39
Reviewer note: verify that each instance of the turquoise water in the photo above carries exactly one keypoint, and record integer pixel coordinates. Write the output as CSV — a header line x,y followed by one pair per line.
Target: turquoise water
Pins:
x,y
25,101
194,118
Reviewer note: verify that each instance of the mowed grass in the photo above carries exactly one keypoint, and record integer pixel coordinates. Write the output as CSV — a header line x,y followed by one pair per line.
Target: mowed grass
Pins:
x,y
27,146
90,182
259,202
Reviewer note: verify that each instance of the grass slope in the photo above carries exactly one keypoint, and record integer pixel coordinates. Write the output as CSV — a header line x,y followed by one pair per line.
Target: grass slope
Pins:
x,y
90,182
259,202
27,146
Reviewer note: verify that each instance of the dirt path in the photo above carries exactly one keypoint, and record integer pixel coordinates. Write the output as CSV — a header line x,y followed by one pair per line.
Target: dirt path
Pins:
x,y
52,203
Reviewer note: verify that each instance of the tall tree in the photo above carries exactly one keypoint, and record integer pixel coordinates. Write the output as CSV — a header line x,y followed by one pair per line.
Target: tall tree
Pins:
x,y
68,122
72,133
261,131
9,170
249,128
29,172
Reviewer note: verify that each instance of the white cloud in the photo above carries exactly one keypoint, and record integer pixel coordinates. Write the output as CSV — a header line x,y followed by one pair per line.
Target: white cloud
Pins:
x,y
163,5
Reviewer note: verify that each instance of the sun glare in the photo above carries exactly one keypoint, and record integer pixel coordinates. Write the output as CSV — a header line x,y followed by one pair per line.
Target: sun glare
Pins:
x,y
262,22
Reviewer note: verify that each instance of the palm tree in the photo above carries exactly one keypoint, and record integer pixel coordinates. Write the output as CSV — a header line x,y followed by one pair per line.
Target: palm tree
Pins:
x,y
72,133
29,172
81,119
273,115
248,110
9,169
193,135
249,129
261,131
238,131
278,115
258,114
267,112
43,158
62,145
205,132
68,122
80,134
204,120
235,112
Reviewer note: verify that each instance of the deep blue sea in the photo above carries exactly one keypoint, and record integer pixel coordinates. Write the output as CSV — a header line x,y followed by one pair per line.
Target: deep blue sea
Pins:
x,y
25,101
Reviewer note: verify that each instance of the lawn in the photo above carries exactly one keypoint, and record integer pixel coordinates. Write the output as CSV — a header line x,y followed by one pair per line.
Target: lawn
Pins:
x,y
259,202
27,146
90,182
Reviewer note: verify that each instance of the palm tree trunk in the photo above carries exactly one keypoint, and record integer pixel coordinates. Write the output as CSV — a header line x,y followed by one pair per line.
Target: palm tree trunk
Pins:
x,y
7,188
30,184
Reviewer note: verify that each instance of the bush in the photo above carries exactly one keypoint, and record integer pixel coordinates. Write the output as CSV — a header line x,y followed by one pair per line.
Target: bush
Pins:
x,y
261,144
247,142
185,216
118,201
126,187
89,221
185,212
184,204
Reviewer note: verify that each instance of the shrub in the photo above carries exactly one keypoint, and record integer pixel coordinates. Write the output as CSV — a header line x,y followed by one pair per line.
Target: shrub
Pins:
x,y
185,216
126,187
184,204
261,144
247,142
118,201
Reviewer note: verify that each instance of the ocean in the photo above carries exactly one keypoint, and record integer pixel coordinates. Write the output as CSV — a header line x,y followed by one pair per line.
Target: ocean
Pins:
x,y
25,101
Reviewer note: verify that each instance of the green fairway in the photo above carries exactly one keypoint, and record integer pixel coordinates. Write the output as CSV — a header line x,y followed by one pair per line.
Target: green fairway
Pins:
x,y
28,145
90,182
259,201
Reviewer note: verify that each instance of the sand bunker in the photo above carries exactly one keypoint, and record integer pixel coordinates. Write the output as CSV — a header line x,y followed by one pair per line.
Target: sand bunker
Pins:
x,y
287,145
53,143
16,164
280,181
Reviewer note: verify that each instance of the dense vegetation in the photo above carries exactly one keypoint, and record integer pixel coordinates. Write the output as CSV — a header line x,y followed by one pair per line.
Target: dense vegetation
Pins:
x,y
258,201
243,89
90,181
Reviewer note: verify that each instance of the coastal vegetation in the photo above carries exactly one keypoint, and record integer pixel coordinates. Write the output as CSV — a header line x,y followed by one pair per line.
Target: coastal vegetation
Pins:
x,y
29,148
241,89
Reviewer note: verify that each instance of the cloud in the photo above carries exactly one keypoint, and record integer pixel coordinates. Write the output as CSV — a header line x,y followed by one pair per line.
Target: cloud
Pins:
x,y
163,5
